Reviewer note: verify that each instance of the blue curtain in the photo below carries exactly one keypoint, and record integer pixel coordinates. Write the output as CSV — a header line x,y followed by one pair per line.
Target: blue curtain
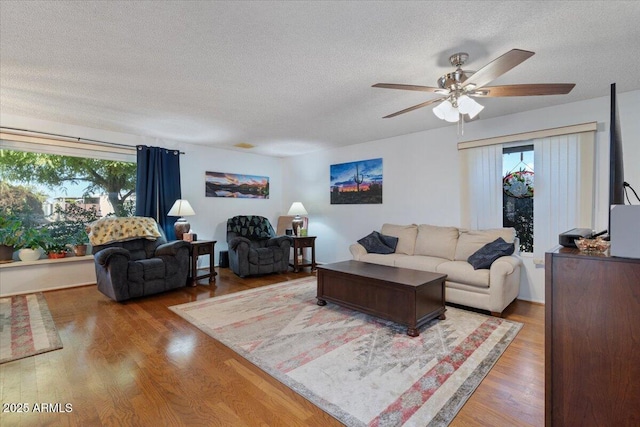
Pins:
x,y
158,185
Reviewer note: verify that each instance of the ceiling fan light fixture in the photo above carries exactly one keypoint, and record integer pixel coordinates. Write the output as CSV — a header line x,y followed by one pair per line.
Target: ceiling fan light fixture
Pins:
x,y
468,106
445,109
452,116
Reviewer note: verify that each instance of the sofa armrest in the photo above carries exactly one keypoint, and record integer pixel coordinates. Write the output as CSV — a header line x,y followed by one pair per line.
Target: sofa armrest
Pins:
x,y
504,282
505,265
172,248
105,256
357,251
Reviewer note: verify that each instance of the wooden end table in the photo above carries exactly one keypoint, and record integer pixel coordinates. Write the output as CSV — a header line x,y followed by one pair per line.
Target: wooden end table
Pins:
x,y
202,247
299,244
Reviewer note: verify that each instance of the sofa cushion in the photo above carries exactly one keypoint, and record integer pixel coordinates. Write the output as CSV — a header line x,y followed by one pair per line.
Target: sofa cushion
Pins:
x,y
381,259
471,240
463,272
406,235
152,268
419,262
486,255
377,243
437,241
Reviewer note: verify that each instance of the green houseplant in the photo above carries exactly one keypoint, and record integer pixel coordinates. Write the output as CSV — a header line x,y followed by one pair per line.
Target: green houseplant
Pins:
x,y
10,228
32,242
55,249
69,229
80,242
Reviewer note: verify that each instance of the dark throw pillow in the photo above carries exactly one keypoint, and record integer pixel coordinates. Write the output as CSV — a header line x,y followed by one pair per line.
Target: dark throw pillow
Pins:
x,y
486,255
374,243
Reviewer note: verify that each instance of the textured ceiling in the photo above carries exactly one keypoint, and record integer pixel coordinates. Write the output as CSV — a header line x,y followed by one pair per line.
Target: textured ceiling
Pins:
x,y
294,77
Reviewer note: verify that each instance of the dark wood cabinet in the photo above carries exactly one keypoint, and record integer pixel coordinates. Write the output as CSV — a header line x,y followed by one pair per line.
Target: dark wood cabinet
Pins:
x,y
592,340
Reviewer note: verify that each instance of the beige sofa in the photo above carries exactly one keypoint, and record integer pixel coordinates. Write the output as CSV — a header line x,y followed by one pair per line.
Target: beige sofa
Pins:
x,y
446,250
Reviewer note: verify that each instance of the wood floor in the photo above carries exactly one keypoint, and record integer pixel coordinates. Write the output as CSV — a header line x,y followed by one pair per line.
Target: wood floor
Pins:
x,y
139,364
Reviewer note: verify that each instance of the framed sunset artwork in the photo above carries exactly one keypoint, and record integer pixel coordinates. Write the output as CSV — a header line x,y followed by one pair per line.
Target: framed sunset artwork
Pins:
x,y
233,185
357,182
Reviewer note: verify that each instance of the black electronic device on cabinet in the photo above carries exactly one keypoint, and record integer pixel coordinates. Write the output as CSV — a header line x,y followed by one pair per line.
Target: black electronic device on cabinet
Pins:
x,y
567,239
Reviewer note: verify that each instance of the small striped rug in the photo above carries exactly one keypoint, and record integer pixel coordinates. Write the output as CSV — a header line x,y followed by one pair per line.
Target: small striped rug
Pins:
x,y
26,327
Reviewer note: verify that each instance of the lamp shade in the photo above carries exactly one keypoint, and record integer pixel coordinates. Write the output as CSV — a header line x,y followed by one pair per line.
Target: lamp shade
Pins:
x,y
441,109
297,209
446,111
468,106
181,208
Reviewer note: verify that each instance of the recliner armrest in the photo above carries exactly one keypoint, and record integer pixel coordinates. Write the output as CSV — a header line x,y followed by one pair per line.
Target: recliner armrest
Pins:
x,y
233,243
279,240
104,256
172,248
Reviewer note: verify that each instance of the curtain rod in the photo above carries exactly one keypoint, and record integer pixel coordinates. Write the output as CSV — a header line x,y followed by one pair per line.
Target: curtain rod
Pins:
x,y
75,139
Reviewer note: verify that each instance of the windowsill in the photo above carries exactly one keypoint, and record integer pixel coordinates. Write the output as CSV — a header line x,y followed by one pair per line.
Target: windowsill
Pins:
x,y
44,261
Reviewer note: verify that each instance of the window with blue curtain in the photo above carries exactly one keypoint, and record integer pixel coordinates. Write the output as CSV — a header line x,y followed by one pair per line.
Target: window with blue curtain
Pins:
x,y
158,185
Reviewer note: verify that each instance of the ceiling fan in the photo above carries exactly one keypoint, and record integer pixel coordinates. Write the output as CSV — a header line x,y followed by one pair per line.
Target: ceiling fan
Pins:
x,y
457,88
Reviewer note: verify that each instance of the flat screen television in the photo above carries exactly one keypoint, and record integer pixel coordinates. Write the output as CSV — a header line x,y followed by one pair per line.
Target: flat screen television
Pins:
x,y
616,166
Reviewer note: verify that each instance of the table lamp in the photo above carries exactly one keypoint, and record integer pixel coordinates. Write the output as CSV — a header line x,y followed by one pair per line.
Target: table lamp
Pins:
x,y
181,208
297,209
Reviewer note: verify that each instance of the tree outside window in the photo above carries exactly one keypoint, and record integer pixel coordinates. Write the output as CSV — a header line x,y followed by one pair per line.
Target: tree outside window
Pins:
x,y
57,192
518,192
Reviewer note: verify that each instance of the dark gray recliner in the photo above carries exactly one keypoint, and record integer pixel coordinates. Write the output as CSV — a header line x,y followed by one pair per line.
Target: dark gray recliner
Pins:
x,y
141,267
254,247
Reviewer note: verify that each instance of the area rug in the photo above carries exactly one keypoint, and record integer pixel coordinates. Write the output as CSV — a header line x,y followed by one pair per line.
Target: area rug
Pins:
x,y
26,327
360,369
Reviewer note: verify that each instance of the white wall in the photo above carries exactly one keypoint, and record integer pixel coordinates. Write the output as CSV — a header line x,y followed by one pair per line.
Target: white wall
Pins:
x,y
210,221
422,176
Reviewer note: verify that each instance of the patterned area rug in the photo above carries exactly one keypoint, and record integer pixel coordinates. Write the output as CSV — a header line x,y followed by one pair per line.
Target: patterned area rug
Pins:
x,y
26,327
360,369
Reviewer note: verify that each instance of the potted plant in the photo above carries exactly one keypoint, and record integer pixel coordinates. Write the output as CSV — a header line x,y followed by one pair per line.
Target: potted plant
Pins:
x,y
70,228
31,242
55,249
10,226
80,242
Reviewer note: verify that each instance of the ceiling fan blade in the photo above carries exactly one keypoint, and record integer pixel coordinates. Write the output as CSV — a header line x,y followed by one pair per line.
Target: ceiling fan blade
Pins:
x,y
415,107
498,67
407,87
525,90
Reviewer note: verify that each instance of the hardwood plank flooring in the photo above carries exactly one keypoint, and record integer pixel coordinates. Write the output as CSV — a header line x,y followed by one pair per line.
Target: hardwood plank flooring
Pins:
x,y
139,364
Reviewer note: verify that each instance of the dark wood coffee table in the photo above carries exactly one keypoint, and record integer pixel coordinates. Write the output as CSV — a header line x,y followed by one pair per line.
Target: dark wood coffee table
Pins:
x,y
408,297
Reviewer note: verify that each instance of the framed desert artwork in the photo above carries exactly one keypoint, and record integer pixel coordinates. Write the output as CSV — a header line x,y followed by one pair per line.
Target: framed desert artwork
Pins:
x,y
233,185
357,182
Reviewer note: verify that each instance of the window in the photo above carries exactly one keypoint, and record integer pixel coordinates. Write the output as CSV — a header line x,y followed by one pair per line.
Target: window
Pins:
x,y
564,183
53,187
40,183
517,197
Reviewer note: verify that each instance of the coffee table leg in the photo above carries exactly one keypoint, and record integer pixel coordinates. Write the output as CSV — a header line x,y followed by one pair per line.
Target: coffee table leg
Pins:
x,y
412,332
321,302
